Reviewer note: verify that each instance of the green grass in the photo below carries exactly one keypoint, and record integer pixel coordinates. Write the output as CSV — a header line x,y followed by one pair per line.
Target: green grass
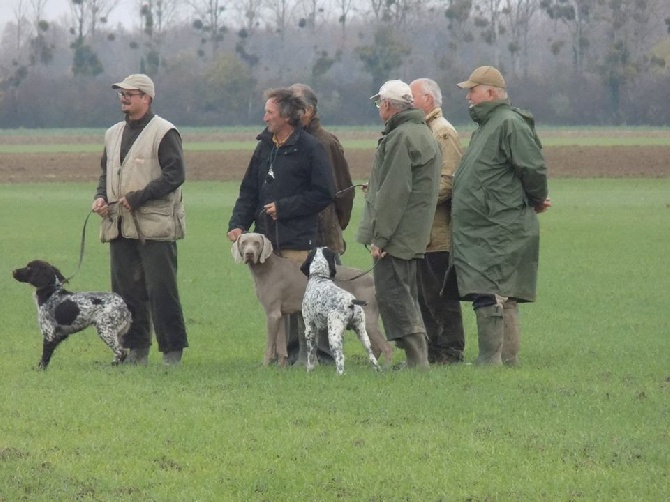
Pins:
x,y
586,417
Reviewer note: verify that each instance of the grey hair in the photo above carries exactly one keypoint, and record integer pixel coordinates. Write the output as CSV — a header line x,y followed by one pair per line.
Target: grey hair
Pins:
x,y
398,105
291,106
431,88
306,93
500,92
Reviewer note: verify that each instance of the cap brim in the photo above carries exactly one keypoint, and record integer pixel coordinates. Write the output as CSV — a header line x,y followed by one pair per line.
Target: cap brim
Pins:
x,y
121,85
468,84
375,97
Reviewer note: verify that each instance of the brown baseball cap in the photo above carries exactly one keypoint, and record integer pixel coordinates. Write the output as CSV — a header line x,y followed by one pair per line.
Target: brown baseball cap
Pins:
x,y
138,81
484,75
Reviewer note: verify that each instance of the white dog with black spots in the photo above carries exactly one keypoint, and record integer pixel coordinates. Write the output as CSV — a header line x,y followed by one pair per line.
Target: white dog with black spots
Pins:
x,y
326,306
61,313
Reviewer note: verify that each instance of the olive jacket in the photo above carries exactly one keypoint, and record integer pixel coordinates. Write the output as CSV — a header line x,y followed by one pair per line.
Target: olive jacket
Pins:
x,y
499,181
402,189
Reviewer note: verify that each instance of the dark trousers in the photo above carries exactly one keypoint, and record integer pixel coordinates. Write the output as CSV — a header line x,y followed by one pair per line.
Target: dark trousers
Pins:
x,y
397,292
145,275
442,314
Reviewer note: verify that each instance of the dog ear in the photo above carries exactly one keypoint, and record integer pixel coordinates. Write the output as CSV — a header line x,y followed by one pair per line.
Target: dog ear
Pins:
x,y
304,268
236,250
42,274
60,276
267,249
330,258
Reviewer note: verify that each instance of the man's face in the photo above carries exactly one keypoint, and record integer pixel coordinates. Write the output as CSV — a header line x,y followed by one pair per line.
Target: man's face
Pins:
x,y
479,94
272,119
384,109
133,102
422,100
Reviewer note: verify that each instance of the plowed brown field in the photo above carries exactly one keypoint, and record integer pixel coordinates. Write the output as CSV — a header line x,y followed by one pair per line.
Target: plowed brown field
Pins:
x,y
563,161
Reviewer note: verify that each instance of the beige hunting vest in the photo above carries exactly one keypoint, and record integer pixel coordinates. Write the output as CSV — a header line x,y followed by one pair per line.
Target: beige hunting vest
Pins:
x,y
159,219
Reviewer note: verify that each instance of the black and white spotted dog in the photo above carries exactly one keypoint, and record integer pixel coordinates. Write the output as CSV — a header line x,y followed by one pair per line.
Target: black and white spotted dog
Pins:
x,y
326,306
61,313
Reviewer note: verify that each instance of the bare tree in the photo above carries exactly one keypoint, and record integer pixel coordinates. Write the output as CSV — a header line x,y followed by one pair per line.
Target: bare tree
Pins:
x,y
518,15
156,16
281,12
209,22
313,14
344,12
624,55
488,19
576,16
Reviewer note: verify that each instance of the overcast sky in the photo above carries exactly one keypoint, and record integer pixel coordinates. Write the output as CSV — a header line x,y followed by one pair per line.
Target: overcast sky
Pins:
x,y
56,9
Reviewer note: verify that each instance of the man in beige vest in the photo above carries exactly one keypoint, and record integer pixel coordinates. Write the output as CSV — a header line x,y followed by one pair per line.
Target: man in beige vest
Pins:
x,y
441,313
139,198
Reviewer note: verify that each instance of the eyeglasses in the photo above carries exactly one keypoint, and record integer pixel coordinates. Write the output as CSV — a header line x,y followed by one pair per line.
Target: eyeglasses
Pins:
x,y
126,95
378,103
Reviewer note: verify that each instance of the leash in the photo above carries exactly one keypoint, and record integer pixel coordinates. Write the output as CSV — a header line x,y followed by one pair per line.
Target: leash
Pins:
x,y
81,248
338,194
82,243
362,273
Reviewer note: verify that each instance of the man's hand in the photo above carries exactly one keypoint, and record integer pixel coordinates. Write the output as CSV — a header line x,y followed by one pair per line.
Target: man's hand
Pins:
x,y
543,206
124,202
376,252
100,207
271,210
234,234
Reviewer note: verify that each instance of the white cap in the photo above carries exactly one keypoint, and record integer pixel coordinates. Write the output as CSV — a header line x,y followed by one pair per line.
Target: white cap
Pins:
x,y
395,90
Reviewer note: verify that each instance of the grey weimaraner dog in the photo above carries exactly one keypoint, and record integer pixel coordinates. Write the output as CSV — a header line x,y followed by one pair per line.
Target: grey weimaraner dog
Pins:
x,y
280,287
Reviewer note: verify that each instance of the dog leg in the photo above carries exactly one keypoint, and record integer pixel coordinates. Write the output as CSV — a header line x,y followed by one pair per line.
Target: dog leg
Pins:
x,y
336,339
361,332
48,347
310,337
111,339
273,322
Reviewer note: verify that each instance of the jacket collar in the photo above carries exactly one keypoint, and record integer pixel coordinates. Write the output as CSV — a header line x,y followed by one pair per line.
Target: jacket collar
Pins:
x,y
481,113
435,114
413,115
313,126
266,136
141,122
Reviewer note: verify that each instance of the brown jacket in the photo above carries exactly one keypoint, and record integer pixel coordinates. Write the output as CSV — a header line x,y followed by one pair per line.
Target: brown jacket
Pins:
x,y
450,145
335,218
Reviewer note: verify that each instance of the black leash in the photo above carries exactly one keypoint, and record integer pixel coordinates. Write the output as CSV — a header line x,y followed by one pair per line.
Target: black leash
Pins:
x,y
81,247
363,273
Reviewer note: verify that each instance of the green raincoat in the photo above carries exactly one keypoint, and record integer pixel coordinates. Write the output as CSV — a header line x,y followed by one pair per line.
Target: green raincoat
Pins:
x,y
500,179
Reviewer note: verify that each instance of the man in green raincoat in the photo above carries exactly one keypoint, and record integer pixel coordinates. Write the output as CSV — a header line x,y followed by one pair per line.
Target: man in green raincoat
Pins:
x,y
499,188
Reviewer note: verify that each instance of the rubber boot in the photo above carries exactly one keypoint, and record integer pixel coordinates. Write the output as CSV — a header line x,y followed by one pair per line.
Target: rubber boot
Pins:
x,y
138,357
490,328
172,358
416,350
512,333
296,327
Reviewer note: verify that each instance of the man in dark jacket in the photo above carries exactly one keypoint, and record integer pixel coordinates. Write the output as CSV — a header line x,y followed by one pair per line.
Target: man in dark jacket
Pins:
x,y
287,183
332,220
399,207
499,188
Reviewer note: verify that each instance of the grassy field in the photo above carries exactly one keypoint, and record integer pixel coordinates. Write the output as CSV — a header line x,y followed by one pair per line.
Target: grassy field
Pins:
x,y
586,417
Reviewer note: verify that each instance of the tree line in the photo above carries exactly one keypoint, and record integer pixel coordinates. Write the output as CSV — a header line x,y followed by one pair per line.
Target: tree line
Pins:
x,y
575,62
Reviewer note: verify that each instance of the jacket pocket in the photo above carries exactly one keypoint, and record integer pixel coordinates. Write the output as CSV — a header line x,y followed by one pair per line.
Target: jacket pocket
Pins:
x,y
157,222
